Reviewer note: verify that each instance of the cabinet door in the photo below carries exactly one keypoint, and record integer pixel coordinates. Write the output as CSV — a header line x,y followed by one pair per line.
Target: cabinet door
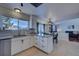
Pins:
x,y
37,42
40,43
44,44
32,38
43,41
49,45
26,43
16,46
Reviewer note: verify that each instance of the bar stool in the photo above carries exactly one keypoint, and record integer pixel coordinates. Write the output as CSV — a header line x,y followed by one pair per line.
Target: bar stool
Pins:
x,y
55,38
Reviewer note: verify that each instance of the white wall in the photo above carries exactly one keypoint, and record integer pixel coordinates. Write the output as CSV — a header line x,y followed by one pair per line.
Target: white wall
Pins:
x,y
63,26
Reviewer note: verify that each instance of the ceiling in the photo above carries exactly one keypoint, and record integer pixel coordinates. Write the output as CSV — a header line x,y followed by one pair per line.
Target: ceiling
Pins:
x,y
58,12
55,11
26,8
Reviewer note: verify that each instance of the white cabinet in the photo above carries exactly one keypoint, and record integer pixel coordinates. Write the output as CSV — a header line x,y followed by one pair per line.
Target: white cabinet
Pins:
x,y
21,43
16,46
45,43
26,43
49,44
37,42
32,40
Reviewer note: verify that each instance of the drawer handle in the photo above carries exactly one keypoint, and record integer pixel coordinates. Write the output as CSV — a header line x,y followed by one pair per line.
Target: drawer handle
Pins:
x,y
22,41
36,43
43,46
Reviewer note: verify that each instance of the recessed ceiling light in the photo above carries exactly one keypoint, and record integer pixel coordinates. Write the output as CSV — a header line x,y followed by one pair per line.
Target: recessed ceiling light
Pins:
x,y
17,10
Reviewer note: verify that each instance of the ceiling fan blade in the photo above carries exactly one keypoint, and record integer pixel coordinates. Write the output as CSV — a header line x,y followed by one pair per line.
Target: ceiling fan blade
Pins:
x,y
36,4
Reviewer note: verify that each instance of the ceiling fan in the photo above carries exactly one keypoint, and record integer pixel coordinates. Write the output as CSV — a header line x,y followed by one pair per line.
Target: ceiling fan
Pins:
x,y
34,4
17,9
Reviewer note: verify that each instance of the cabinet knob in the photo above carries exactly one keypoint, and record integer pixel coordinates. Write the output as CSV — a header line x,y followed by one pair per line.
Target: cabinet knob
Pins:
x,y
42,40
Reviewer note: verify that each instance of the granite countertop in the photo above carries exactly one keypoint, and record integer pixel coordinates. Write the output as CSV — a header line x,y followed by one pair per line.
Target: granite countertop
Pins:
x,y
5,37
44,35
8,37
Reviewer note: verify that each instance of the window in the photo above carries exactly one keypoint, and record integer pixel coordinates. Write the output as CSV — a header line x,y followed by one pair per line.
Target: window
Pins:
x,y
16,26
3,23
23,24
8,23
13,24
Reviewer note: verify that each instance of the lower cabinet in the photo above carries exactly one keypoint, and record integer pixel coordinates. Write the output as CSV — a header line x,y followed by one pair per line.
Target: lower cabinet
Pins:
x,y
26,43
50,46
19,44
32,40
16,46
12,46
22,43
45,44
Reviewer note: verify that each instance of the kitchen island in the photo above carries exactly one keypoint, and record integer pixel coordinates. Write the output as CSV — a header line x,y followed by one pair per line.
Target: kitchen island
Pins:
x,y
45,43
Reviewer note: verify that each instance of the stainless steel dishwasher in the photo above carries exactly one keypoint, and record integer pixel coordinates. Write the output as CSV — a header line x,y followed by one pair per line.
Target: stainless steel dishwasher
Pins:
x,y
5,47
